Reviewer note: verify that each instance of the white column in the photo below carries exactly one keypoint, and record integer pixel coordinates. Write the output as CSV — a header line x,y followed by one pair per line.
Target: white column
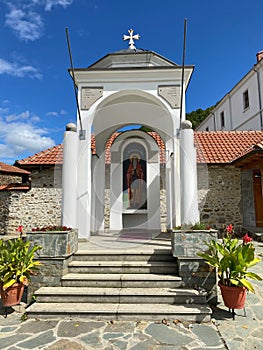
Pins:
x,y
189,202
69,176
84,185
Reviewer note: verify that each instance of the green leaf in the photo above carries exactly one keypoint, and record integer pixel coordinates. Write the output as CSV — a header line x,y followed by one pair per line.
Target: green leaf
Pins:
x,y
9,283
247,285
253,276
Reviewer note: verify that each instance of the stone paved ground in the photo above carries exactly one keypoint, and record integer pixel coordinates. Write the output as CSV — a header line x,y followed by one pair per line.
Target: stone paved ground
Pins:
x,y
243,333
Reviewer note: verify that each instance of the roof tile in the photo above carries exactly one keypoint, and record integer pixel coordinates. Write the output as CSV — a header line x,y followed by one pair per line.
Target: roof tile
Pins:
x,y
15,187
11,169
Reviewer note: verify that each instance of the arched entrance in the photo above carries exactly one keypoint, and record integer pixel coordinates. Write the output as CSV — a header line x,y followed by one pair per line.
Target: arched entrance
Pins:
x,y
134,182
121,89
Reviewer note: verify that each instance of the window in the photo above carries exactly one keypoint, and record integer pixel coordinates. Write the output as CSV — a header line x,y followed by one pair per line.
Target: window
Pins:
x,y
207,128
222,118
245,99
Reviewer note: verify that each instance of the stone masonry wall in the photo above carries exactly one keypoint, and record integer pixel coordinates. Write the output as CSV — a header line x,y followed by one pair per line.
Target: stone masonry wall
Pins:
x,y
39,206
4,211
248,194
163,207
220,196
7,179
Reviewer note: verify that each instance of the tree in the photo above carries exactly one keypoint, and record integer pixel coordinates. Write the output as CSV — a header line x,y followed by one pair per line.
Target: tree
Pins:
x,y
197,116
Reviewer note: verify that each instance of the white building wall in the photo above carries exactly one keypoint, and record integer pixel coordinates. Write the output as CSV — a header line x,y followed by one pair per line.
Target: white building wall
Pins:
x,y
232,104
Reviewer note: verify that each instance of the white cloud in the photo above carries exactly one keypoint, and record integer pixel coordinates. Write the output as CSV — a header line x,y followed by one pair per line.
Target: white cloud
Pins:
x,y
24,116
25,19
17,70
27,25
56,114
52,114
53,3
14,117
19,135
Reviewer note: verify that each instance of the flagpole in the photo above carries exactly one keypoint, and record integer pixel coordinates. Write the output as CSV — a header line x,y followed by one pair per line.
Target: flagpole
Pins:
x,y
183,65
81,134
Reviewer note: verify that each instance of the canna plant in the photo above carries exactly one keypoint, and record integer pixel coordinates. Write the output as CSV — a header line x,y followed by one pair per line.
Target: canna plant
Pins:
x,y
17,262
233,258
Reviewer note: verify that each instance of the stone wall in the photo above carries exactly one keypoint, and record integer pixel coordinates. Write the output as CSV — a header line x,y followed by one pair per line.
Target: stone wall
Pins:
x,y
248,194
220,196
39,206
4,212
163,207
7,179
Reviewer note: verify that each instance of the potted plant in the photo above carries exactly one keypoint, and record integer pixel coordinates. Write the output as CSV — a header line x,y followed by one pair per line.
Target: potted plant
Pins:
x,y
233,258
16,266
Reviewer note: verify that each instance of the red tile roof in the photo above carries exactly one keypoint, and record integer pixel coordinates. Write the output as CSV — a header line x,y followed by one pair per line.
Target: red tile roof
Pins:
x,y
50,156
15,187
221,147
11,169
218,147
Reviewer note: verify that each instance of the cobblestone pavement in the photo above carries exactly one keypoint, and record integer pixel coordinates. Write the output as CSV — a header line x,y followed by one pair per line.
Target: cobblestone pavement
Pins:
x,y
243,333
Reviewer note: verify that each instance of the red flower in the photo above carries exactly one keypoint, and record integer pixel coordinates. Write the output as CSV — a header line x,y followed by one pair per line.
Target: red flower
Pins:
x,y
230,229
246,239
20,228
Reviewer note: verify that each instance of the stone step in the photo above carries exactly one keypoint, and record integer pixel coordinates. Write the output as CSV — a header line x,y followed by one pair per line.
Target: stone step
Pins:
x,y
138,312
120,295
127,255
126,280
122,267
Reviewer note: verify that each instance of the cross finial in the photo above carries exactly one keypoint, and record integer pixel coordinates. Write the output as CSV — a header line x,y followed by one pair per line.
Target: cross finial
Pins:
x,y
130,38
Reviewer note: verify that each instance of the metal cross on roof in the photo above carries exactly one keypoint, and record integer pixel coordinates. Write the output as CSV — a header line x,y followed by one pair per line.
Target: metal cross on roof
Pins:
x,y
130,38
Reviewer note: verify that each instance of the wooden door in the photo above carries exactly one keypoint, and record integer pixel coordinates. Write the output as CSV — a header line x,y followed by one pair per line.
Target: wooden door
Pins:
x,y
258,196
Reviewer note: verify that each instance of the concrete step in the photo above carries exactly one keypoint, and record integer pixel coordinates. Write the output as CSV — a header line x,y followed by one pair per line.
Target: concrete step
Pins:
x,y
120,295
107,267
127,255
127,280
190,313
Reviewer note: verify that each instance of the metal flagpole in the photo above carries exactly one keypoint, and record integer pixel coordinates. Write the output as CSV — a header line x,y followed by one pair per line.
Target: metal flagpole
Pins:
x,y
183,65
82,133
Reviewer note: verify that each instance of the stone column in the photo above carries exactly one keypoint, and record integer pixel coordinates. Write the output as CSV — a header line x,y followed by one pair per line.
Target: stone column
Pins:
x,y
189,201
69,176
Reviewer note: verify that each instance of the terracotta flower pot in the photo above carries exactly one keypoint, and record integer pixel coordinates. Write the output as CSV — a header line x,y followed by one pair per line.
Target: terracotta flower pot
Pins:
x,y
233,297
12,295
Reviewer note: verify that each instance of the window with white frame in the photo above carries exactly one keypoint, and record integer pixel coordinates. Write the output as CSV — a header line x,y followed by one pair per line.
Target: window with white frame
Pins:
x,y
245,99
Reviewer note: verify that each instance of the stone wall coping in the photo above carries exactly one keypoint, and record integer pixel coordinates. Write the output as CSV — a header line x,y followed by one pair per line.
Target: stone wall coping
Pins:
x,y
48,232
190,258
197,231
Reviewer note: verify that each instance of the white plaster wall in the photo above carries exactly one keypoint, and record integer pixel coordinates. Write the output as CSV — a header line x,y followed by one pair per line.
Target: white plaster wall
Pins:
x,y
236,118
239,115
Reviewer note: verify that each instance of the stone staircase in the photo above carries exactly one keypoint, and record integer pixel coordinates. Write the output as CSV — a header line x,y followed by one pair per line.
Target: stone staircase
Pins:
x,y
120,285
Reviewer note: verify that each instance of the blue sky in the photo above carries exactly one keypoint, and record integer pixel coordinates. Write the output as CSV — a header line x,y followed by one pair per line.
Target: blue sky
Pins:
x,y
36,93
